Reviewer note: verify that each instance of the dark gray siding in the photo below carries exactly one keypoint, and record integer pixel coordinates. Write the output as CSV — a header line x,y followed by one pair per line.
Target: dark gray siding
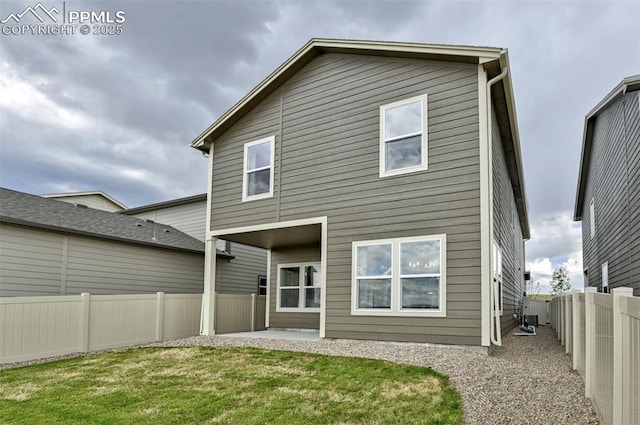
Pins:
x,y
240,275
614,183
308,254
33,262
326,123
507,232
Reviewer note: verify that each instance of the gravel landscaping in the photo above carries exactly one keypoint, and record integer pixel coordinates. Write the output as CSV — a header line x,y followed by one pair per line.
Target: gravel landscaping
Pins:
x,y
529,380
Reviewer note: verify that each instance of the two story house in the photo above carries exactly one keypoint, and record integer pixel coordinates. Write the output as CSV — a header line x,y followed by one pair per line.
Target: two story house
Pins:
x,y
608,194
385,181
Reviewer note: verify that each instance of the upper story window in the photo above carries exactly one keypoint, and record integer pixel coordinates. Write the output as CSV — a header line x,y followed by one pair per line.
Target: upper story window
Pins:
x,y
592,218
404,276
403,136
257,178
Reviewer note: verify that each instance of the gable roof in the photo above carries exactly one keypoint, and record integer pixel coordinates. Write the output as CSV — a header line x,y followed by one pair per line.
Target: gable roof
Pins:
x,y
88,193
171,203
317,46
628,84
36,211
493,59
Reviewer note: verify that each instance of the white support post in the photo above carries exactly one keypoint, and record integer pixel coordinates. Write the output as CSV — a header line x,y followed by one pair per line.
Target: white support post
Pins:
x,y
575,332
268,300
85,311
590,339
618,367
253,312
159,316
567,317
209,296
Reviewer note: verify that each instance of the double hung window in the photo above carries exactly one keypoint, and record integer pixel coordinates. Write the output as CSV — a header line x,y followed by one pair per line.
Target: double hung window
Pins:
x,y
403,136
257,177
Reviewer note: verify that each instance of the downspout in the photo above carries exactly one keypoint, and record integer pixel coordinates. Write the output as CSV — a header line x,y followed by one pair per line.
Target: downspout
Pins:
x,y
494,322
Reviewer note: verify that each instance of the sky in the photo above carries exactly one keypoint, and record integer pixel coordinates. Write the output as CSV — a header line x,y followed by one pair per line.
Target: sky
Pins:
x,y
117,112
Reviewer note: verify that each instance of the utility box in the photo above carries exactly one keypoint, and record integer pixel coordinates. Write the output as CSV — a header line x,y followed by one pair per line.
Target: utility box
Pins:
x,y
532,320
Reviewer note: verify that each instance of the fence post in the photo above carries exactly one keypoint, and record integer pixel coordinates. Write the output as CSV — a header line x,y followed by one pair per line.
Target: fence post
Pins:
x,y
590,338
618,367
567,325
575,332
159,316
85,310
253,312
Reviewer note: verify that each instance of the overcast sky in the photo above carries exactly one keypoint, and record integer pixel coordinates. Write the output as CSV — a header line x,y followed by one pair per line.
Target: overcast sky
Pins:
x,y
117,112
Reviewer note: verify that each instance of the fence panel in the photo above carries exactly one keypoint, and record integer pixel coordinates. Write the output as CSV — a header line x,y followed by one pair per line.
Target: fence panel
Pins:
x,y
261,305
38,327
181,315
579,333
630,311
602,382
35,327
233,313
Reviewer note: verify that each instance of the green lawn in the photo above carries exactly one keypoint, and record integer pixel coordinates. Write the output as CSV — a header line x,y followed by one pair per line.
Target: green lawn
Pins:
x,y
225,385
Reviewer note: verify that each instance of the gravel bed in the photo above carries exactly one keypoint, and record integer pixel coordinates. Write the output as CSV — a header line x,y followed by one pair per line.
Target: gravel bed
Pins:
x,y
529,380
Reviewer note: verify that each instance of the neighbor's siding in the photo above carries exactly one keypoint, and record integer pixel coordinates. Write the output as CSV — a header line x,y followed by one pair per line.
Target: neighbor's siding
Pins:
x,y
326,123
507,232
188,218
309,254
237,276
614,182
97,202
240,275
32,264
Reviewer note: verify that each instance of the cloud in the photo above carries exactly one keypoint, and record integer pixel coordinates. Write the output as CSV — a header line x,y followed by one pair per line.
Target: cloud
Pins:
x,y
556,241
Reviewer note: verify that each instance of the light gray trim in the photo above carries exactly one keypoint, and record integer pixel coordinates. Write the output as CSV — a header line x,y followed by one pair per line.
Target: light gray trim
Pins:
x,y
171,203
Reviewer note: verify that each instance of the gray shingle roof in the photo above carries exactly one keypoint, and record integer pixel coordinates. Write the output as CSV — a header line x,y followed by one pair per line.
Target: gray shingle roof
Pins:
x,y
31,210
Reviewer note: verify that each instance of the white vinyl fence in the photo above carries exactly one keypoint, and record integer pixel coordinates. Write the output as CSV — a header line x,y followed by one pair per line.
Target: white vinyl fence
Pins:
x,y
540,308
37,327
601,332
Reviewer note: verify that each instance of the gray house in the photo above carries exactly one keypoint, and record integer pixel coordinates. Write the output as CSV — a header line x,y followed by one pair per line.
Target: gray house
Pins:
x,y
93,199
49,247
608,195
385,181
243,273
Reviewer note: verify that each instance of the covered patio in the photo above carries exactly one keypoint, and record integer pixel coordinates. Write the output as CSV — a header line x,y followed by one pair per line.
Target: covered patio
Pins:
x,y
287,243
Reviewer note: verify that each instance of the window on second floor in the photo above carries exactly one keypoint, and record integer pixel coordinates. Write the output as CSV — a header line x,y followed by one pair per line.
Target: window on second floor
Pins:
x,y
257,177
403,136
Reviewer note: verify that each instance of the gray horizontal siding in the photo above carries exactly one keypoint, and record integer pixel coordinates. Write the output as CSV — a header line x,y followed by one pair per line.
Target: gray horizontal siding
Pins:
x,y
188,218
240,275
507,233
292,320
326,123
32,263
614,183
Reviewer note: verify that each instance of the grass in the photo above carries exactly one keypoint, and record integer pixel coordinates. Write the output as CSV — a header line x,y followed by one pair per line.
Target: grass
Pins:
x,y
225,385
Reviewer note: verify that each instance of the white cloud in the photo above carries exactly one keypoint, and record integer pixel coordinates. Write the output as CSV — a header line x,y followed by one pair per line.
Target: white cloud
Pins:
x,y
556,241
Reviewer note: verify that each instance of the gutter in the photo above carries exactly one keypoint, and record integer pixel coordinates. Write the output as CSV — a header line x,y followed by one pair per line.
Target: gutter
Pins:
x,y
495,330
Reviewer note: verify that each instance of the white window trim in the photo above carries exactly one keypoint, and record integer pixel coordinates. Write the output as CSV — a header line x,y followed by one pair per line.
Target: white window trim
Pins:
x,y
592,217
425,144
300,287
245,197
396,309
498,275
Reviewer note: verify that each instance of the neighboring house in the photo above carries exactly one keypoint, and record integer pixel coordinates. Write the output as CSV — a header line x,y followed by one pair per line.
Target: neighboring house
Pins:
x,y
608,195
385,181
245,273
48,247
94,199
